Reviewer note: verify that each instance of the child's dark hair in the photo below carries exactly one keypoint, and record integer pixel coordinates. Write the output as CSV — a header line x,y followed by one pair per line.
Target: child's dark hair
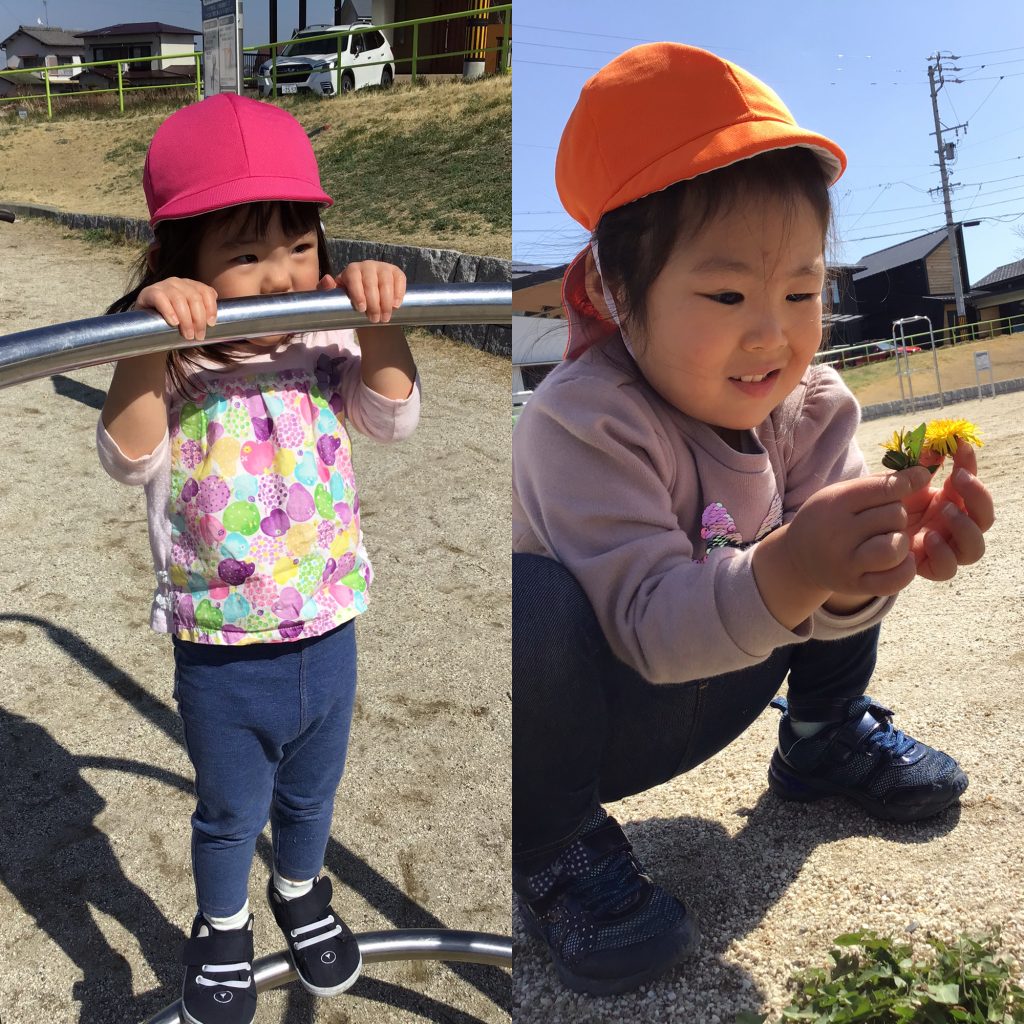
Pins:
x,y
636,240
175,255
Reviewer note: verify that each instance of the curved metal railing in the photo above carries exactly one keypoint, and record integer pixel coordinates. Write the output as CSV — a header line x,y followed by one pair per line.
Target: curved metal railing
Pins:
x,y
376,947
44,351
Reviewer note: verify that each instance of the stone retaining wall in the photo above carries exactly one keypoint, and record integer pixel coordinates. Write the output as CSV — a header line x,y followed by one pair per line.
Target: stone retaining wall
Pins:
x,y
421,266
896,408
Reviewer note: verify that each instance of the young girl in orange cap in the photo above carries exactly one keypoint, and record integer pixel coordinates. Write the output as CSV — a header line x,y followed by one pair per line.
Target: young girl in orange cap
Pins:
x,y
244,453
692,519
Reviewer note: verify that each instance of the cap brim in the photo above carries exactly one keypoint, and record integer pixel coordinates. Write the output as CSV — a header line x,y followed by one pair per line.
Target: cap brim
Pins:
x,y
727,146
237,193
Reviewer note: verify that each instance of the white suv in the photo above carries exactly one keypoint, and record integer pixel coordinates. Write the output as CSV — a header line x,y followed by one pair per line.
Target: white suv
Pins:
x,y
313,66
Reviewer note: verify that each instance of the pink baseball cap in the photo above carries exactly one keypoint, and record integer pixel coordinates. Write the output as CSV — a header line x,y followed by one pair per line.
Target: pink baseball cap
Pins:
x,y
224,151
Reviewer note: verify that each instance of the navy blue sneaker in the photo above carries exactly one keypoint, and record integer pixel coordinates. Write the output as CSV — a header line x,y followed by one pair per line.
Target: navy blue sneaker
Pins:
x,y
322,947
891,775
219,987
607,926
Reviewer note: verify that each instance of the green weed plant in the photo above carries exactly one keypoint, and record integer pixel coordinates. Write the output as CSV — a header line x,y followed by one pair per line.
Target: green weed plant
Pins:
x,y
877,980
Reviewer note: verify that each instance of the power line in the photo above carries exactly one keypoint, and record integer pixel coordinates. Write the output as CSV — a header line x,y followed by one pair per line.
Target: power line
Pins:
x,y
577,32
559,46
926,206
985,100
984,53
925,216
552,64
872,203
1007,218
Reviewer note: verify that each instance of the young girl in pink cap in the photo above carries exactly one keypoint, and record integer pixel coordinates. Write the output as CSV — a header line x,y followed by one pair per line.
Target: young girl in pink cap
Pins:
x,y
692,518
244,454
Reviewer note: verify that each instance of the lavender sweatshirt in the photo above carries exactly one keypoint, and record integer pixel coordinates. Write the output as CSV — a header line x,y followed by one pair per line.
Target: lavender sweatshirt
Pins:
x,y
656,516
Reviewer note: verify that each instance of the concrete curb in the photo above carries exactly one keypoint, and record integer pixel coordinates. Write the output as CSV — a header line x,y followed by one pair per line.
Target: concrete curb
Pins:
x,y
1003,387
421,266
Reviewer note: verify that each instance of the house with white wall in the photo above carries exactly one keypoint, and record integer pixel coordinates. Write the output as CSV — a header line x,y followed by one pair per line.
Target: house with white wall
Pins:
x,y
143,39
33,46
30,45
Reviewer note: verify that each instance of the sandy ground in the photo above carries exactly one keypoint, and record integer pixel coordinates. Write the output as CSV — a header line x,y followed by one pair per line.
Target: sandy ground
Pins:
x,y
95,885
773,883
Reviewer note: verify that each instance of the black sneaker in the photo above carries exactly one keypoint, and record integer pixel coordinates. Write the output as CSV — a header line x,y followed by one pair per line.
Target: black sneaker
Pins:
x,y
325,953
218,986
891,775
607,926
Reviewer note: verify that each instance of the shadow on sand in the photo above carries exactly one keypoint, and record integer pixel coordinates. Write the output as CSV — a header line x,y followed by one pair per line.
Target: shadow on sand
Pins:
x,y
710,870
58,864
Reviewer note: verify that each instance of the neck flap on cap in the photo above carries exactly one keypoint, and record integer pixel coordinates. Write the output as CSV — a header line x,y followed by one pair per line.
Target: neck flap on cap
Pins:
x,y
587,326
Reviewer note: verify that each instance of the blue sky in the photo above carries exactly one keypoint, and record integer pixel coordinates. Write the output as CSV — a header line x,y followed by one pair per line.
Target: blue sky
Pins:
x,y
855,71
186,13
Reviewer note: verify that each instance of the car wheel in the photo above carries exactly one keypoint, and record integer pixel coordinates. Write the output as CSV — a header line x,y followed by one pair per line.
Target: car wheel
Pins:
x,y
348,83
386,78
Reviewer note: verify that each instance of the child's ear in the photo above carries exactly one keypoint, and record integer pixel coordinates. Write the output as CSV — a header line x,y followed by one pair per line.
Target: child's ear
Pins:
x,y
595,292
151,255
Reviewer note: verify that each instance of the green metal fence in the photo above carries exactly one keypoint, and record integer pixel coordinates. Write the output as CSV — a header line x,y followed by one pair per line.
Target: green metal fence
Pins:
x,y
417,58
855,355
49,79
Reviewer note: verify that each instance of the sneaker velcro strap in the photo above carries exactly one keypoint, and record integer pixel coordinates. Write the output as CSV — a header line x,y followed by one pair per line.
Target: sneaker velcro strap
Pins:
x,y
607,838
303,909
219,947
853,737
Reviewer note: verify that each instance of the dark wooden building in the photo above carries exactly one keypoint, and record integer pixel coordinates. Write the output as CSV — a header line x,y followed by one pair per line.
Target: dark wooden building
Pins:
x,y
451,36
913,278
1001,293
841,318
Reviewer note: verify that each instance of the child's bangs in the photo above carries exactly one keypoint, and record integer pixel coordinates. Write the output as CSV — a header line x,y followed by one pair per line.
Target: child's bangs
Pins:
x,y
255,219
636,240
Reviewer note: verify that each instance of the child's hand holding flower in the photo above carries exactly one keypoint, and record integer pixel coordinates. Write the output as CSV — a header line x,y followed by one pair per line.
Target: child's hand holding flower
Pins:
x,y
946,524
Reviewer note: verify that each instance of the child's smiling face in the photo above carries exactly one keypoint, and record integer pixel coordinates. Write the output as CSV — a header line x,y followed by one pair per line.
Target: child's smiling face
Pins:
x,y
239,265
741,298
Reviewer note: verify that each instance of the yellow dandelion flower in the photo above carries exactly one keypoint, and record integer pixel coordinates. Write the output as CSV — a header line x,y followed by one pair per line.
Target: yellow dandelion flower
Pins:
x,y
896,444
940,435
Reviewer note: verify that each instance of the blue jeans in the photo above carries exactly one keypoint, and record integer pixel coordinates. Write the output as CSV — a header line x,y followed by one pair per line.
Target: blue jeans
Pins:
x,y
586,728
266,729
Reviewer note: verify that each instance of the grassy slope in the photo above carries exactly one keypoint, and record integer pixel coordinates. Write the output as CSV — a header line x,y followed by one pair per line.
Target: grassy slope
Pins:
x,y
877,382
423,165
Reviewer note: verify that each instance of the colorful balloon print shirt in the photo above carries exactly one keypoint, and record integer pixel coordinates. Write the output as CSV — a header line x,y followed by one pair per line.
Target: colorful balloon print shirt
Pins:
x,y
252,502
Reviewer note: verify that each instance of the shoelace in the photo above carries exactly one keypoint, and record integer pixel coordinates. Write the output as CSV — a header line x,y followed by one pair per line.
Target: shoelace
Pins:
x,y
296,932
892,739
612,886
225,968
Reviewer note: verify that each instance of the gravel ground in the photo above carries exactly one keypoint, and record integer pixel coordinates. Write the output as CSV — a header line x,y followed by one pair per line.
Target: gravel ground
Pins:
x,y
773,883
95,885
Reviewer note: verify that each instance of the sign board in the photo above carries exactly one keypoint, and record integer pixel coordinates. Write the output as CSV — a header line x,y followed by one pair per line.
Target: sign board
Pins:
x,y
222,46
982,362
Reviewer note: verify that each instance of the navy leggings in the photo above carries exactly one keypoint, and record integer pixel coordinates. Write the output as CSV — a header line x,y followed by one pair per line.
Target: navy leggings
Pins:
x,y
266,728
587,729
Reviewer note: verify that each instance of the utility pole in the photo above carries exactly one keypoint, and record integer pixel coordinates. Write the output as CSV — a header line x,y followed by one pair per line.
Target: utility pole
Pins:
x,y
273,21
302,13
954,249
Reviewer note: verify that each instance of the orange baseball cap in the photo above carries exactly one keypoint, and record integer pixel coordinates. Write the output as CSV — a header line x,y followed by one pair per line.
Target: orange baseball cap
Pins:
x,y
658,114
665,112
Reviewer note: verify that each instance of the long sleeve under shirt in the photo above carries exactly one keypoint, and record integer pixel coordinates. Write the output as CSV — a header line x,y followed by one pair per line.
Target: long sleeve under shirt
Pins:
x,y
656,515
251,499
